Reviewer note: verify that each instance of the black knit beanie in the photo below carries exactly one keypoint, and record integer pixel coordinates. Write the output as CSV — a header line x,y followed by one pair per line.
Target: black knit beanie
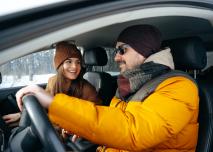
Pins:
x,y
145,39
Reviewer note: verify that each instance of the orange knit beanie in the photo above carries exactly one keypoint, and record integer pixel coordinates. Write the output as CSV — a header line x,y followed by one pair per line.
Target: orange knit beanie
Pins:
x,y
65,50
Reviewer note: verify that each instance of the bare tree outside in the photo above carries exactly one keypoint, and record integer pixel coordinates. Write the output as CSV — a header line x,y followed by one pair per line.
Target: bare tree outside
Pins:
x,y
34,64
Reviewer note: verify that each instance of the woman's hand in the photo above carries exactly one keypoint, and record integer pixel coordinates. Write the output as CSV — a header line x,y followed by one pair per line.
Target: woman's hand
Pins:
x,y
12,119
43,97
75,137
65,133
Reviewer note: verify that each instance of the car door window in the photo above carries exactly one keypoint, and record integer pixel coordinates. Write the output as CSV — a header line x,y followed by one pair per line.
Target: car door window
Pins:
x,y
35,68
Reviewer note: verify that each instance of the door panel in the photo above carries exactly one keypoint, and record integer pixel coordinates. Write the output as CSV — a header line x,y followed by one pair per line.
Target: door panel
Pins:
x,y
8,102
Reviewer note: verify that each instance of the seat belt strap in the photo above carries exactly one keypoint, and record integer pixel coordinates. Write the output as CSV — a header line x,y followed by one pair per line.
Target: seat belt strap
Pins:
x,y
149,87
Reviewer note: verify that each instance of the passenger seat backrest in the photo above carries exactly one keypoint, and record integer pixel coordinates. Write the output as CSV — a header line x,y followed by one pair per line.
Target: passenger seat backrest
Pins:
x,y
190,54
205,143
102,81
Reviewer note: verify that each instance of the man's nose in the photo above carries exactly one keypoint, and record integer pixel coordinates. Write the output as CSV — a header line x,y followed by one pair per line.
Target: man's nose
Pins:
x,y
117,57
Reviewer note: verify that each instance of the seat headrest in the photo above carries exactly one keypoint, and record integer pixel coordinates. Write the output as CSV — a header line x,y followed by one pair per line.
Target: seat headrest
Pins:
x,y
95,57
188,53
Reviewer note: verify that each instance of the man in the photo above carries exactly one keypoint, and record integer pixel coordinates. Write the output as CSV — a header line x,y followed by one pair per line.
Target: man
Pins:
x,y
165,121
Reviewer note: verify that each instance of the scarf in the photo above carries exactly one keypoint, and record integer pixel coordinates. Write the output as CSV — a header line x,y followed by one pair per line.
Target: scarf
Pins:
x,y
130,81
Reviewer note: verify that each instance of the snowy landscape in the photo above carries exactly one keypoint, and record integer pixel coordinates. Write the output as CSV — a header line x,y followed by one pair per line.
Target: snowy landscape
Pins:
x,y
13,81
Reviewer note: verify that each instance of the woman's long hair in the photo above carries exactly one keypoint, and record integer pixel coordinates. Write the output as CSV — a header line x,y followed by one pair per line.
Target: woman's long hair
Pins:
x,y
67,86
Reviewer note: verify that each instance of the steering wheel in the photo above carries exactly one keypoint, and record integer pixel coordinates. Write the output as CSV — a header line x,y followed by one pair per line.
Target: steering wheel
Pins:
x,y
41,125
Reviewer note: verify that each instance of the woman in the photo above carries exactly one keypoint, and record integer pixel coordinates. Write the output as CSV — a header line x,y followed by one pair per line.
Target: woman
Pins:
x,y
69,78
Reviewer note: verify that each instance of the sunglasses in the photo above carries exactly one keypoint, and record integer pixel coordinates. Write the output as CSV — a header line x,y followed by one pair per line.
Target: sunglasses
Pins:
x,y
121,49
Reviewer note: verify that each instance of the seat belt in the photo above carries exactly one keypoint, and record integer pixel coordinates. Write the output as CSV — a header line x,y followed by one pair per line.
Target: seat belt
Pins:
x,y
149,87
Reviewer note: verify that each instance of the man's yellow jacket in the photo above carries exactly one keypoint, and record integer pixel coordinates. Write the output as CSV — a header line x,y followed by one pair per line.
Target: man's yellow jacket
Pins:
x,y
166,121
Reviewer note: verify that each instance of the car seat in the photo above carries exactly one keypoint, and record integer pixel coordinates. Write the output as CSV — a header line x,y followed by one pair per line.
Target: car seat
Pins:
x,y
102,81
189,54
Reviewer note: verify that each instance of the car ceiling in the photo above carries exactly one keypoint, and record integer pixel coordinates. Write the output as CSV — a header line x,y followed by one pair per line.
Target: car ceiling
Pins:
x,y
171,27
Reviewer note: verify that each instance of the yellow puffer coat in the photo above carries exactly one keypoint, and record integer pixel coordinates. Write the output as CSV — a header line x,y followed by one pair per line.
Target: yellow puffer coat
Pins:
x,y
166,121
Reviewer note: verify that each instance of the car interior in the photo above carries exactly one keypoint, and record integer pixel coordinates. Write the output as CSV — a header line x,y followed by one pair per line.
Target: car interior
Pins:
x,y
187,29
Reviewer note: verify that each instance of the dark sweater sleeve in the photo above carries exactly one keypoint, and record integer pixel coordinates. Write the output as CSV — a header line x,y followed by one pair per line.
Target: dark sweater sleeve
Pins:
x,y
90,93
